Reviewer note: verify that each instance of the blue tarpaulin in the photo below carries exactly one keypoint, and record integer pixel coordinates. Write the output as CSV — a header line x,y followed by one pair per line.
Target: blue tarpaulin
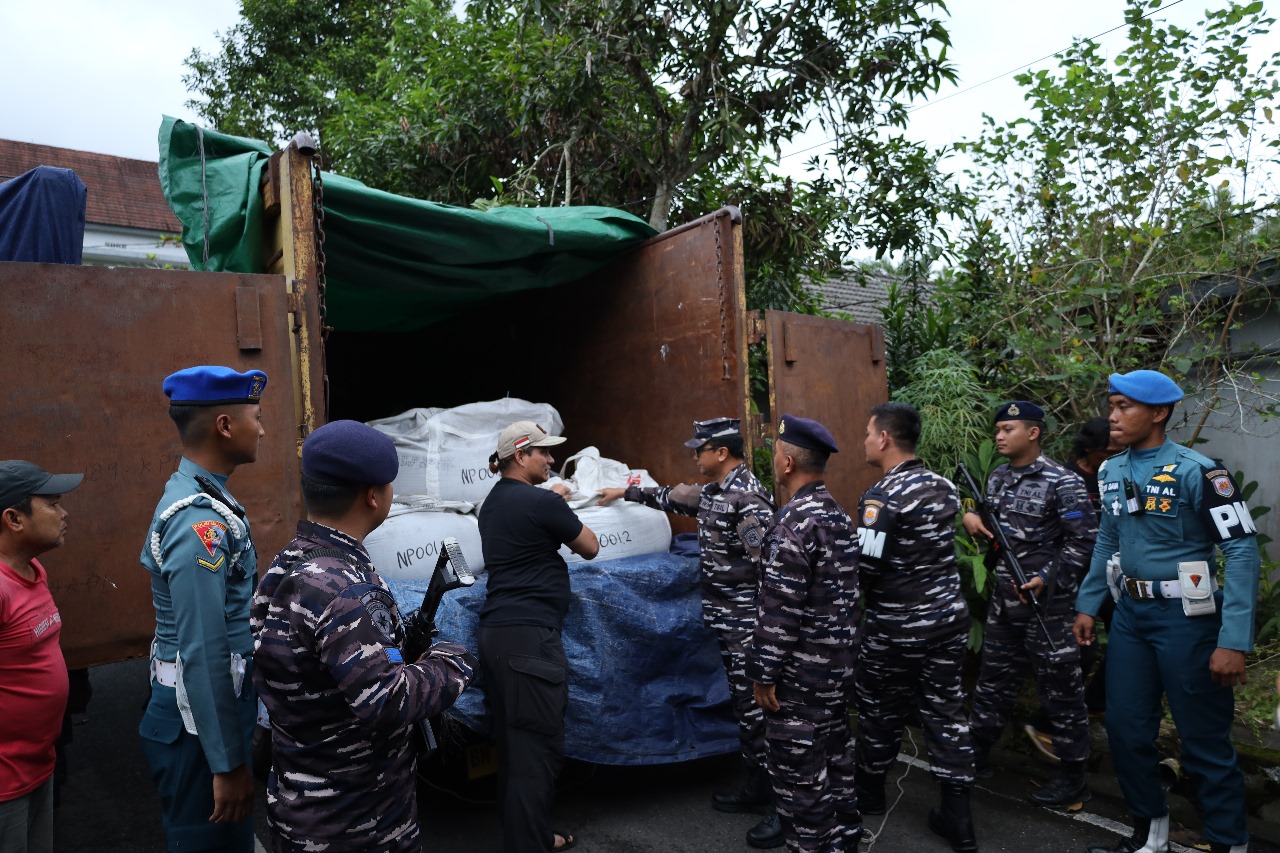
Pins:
x,y
42,217
646,683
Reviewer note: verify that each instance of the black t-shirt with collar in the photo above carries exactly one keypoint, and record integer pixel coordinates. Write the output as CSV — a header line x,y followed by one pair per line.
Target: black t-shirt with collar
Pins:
x,y
521,530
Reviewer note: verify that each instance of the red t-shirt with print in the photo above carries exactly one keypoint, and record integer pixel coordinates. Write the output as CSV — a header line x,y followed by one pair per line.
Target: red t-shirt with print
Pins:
x,y
33,681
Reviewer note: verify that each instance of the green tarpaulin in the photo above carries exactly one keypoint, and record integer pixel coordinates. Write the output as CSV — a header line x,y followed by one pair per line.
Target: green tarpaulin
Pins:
x,y
393,263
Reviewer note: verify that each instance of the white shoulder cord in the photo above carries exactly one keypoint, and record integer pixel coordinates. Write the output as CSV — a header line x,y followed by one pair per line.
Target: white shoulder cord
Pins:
x,y
238,532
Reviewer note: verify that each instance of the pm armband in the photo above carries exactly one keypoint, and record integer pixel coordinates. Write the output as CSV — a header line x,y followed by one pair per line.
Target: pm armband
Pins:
x,y
1226,514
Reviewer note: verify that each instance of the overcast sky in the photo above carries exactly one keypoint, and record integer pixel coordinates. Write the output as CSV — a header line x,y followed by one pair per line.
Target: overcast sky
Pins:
x,y
97,75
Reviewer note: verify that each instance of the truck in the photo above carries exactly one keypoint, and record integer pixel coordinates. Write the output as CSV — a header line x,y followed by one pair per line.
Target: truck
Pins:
x,y
651,337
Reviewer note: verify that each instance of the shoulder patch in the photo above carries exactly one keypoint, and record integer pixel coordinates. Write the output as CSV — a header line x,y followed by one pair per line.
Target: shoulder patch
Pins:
x,y
1220,480
380,614
211,534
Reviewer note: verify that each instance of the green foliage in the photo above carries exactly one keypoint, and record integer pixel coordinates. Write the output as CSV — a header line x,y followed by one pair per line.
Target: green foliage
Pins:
x,y
914,325
1094,225
279,68
955,410
665,109
973,555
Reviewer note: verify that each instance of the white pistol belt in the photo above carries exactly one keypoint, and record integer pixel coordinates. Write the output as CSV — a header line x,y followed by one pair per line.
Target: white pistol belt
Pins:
x,y
164,672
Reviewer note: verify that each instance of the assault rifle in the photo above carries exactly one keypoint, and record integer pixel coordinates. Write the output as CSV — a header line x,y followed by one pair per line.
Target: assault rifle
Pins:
x,y
1000,549
451,573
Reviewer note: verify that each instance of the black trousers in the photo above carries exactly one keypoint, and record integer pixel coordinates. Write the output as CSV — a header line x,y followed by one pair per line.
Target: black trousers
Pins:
x,y
526,684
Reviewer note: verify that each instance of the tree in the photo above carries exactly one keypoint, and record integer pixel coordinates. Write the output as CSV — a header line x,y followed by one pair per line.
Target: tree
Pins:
x,y
647,106
1096,225
280,67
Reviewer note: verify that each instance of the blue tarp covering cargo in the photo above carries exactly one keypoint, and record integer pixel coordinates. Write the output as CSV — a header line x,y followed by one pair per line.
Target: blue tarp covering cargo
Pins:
x,y
42,217
646,686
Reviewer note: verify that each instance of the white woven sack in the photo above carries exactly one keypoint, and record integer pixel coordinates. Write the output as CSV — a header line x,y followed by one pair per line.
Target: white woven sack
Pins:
x,y
445,456
407,544
589,472
624,530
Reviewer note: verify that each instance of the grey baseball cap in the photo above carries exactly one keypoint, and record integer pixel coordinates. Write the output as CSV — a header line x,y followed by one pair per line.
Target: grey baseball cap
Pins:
x,y
20,480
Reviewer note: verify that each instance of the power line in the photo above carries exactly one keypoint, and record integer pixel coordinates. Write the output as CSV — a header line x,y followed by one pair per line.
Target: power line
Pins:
x,y
993,79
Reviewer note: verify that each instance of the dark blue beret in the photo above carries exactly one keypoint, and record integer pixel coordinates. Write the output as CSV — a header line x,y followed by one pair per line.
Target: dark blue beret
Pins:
x,y
350,453
704,431
1146,386
211,385
806,433
1019,410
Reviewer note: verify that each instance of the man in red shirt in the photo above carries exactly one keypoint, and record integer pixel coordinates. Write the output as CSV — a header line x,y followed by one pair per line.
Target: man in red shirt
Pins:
x,y
33,675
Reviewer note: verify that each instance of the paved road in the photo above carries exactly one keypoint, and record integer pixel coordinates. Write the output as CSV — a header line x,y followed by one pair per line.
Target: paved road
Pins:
x,y
108,803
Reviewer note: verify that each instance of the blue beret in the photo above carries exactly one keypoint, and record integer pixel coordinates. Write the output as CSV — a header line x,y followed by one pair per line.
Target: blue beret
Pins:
x,y
211,385
704,431
1019,410
806,433
1146,386
350,453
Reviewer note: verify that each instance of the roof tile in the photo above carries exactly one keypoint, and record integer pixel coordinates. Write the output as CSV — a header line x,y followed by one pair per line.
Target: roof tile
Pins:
x,y
122,192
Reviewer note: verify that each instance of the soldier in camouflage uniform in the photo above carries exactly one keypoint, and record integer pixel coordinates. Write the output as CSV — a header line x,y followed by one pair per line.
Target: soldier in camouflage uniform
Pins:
x,y
803,649
916,625
1046,515
732,511
343,702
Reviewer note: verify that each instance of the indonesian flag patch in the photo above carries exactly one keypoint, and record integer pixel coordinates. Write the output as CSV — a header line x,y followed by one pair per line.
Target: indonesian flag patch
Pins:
x,y
211,533
522,443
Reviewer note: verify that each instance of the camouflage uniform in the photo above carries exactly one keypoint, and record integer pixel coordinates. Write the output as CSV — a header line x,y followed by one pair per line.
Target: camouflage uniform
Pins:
x,y
917,623
342,701
1046,514
804,645
732,515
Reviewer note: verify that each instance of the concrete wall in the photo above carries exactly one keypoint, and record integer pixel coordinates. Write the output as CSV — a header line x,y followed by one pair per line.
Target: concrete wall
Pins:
x,y
1236,434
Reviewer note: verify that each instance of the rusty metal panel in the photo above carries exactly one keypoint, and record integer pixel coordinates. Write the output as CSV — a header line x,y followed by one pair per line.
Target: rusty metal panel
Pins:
x,y
832,371
657,339
87,348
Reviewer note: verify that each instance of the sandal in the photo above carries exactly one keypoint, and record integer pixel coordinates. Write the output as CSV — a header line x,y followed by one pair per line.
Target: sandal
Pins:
x,y
564,837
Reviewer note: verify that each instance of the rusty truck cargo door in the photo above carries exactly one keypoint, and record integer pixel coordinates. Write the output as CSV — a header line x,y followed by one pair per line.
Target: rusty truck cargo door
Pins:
x,y
660,342
834,372
87,348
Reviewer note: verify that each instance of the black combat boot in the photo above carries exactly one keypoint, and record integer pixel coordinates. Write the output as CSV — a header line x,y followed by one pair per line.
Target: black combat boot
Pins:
x,y
766,834
1150,835
982,759
1064,790
755,795
870,788
953,820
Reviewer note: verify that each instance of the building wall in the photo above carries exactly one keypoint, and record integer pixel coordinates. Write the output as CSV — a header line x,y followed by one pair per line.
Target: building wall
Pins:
x,y
1237,434
106,245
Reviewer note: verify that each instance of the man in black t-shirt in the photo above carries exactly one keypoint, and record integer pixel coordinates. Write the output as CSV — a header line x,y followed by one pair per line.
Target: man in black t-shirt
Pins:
x,y
521,653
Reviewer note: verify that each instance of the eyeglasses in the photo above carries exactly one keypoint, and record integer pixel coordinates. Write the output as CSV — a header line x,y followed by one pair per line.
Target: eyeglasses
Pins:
x,y
703,449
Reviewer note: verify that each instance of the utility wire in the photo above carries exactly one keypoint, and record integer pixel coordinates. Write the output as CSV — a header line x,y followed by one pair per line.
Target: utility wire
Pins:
x,y
995,78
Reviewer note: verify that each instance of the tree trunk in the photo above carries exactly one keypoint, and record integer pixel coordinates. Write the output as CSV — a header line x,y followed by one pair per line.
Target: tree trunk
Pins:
x,y
661,208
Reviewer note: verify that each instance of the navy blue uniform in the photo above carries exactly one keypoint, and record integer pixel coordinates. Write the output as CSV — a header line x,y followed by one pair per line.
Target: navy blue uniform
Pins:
x,y
1045,513
342,700
200,718
1186,506
804,646
917,623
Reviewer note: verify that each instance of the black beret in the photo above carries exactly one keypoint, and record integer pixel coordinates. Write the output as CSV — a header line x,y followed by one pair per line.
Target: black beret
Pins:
x,y
1019,410
350,453
806,433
